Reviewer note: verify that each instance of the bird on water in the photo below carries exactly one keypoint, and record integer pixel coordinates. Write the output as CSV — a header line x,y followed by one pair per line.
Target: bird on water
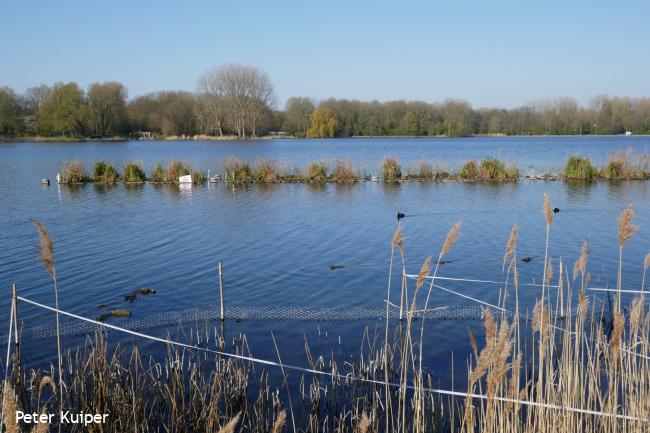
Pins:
x,y
556,209
400,215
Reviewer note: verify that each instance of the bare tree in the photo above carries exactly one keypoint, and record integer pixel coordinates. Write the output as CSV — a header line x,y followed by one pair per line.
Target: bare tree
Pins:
x,y
213,98
239,94
108,104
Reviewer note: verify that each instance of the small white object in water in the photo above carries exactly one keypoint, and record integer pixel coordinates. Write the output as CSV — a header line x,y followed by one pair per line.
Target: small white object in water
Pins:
x,y
185,179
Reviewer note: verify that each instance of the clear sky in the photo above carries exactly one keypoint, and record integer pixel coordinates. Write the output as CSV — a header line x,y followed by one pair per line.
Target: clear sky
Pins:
x,y
491,53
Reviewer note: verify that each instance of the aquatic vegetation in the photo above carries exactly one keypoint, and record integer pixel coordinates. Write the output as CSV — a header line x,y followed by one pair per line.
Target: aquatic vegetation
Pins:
x,y
267,171
158,173
624,165
316,172
133,172
105,172
73,172
579,168
495,169
176,169
237,171
470,171
344,172
421,170
198,177
390,169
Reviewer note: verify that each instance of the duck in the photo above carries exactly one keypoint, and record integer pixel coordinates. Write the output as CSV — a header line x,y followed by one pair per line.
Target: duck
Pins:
x,y
400,215
556,209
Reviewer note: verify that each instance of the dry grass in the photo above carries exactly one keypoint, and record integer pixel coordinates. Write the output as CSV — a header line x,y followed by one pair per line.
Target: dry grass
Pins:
x,y
626,166
176,169
73,172
344,172
391,170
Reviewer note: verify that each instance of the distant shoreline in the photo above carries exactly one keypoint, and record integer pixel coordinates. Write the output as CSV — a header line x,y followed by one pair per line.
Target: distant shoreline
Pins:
x,y
58,139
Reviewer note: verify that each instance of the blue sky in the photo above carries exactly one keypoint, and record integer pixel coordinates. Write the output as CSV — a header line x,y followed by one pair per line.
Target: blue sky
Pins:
x,y
491,53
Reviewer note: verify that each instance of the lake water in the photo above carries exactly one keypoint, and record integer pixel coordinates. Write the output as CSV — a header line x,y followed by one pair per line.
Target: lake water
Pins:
x,y
277,241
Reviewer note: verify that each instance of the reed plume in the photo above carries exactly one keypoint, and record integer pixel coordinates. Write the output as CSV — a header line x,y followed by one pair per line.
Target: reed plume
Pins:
x,y
231,425
511,245
424,272
625,228
548,210
364,424
46,250
46,256
451,239
279,423
625,232
615,340
398,239
580,265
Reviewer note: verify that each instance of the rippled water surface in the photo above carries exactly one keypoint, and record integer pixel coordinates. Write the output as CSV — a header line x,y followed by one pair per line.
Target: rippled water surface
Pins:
x,y
277,241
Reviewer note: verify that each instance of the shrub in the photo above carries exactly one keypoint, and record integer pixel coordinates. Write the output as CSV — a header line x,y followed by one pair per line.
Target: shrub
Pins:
x,y
73,172
495,169
581,168
344,172
158,173
470,170
391,170
133,172
316,172
198,177
176,169
105,172
237,171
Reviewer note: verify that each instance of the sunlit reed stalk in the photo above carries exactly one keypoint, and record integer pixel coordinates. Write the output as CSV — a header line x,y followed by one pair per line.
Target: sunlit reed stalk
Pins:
x,y
548,216
396,242
46,256
625,232
646,265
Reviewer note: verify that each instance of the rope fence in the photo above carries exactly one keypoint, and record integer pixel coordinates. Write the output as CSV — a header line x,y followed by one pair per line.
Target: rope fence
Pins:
x,y
312,371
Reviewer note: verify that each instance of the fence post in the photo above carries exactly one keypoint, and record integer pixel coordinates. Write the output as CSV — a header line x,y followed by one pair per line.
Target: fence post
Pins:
x,y
14,305
221,290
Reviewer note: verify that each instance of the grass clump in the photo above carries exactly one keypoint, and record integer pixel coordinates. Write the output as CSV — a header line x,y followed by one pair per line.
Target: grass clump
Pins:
x,y
495,169
237,171
267,171
133,172
344,172
73,172
624,166
470,171
391,170
176,169
105,172
198,177
316,172
158,173
580,168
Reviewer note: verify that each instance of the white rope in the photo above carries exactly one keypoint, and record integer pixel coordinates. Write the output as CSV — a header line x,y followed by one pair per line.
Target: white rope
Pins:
x,y
4,383
496,307
472,280
329,374
601,289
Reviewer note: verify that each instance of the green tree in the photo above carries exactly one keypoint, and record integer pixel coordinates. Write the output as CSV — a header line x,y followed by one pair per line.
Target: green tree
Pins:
x,y
9,112
64,111
323,124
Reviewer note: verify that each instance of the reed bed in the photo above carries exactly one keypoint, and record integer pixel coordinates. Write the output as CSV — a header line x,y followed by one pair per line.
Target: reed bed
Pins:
x,y
625,165
620,166
568,366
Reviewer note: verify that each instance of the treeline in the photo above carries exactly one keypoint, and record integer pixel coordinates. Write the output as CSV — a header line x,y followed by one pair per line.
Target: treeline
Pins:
x,y
238,100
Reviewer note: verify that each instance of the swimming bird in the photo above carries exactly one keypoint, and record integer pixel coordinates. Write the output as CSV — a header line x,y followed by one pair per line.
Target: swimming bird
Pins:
x,y
556,209
400,215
